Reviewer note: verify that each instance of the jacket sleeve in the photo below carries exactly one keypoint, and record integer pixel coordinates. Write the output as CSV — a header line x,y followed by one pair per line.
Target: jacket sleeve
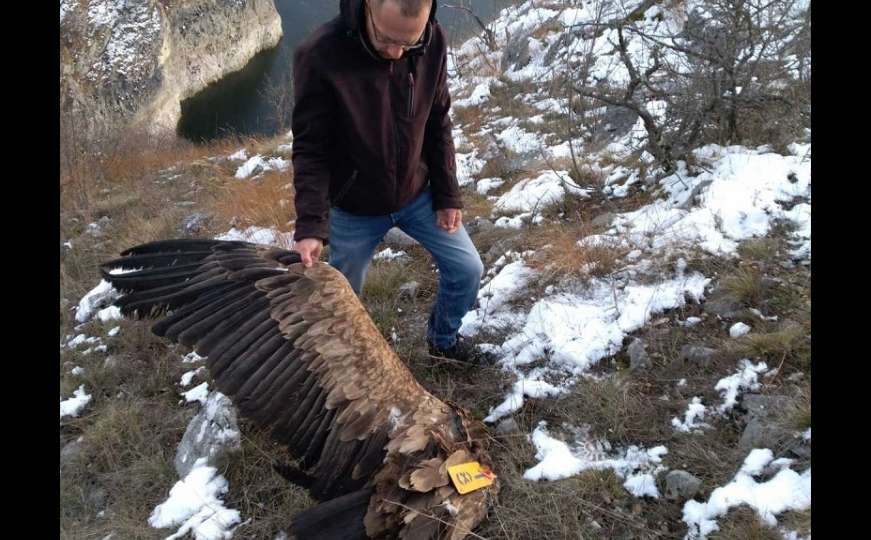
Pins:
x,y
309,123
439,142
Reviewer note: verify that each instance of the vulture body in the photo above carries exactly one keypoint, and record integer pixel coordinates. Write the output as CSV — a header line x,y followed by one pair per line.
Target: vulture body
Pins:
x,y
296,352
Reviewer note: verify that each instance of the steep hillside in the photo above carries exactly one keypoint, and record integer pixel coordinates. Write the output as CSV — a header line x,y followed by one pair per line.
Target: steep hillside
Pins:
x,y
644,219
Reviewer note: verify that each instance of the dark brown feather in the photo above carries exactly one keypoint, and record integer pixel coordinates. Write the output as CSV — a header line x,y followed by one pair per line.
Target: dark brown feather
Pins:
x,y
298,354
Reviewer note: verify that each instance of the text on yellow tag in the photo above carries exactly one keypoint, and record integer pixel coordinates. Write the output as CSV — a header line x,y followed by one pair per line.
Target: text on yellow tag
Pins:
x,y
470,476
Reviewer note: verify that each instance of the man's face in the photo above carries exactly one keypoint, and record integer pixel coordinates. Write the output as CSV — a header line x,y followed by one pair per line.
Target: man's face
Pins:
x,y
390,32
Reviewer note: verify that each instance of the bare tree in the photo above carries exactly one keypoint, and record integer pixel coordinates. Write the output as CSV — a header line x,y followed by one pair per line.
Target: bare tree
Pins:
x,y
735,72
278,93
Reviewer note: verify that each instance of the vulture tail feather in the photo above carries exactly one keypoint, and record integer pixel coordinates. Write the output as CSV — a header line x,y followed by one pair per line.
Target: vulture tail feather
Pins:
x,y
337,519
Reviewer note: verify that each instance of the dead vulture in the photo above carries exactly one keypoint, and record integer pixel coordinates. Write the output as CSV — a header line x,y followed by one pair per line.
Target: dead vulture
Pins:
x,y
297,353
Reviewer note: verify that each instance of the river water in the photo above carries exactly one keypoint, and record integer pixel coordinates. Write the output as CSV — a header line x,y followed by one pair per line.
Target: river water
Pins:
x,y
247,102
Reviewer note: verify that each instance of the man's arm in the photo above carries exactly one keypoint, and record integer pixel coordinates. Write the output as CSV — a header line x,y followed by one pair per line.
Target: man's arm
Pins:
x,y
439,143
310,123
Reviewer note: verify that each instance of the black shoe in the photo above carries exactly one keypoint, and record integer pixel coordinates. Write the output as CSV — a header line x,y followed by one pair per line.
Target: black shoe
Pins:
x,y
464,352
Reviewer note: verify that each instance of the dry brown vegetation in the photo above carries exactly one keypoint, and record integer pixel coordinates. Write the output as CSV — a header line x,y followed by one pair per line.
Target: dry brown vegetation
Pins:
x,y
130,431
559,255
140,189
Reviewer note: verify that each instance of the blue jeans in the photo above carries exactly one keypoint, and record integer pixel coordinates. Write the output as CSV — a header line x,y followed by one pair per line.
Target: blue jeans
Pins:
x,y
353,240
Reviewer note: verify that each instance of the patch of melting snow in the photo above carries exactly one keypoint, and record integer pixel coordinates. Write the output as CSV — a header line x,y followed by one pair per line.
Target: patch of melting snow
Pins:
x,y
745,379
195,506
258,164
192,357
75,405
534,194
198,393
637,466
98,297
574,331
259,235
692,418
189,375
739,329
786,490
388,254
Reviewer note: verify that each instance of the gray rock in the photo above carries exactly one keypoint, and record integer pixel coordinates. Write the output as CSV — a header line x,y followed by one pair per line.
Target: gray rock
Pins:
x,y
407,291
210,434
516,52
102,94
195,222
723,306
98,227
764,406
762,429
111,362
70,452
396,238
802,450
507,426
795,377
697,354
97,497
681,485
638,358
478,225
499,248
603,220
759,433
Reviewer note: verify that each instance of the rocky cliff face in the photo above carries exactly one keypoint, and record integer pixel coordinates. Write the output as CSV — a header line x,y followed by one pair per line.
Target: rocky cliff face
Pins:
x,y
130,63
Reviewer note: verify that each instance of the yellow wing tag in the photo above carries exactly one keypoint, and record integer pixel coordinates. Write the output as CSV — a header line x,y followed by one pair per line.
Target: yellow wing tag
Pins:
x,y
470,476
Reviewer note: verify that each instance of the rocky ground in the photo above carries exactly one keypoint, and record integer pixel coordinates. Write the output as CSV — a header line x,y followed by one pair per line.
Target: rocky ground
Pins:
x,y
652,329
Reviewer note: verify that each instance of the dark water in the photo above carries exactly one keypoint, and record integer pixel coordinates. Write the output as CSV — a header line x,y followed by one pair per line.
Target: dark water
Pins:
x,y
247,103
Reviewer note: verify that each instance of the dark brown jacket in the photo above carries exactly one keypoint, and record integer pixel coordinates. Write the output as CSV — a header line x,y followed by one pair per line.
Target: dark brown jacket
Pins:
x,y
369,134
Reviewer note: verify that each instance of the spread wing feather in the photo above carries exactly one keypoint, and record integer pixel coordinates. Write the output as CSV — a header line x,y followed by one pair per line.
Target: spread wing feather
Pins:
x,y
291,346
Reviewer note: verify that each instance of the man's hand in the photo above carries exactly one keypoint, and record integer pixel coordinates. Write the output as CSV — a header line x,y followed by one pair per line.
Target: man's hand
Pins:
x,y
309,249
449,219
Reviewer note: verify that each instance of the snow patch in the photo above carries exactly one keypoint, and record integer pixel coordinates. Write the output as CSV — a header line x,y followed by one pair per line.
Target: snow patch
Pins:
x,y
787,490
76,404
195,506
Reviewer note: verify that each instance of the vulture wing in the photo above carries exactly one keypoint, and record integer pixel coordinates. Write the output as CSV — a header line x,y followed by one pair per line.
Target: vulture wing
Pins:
x,y
297,353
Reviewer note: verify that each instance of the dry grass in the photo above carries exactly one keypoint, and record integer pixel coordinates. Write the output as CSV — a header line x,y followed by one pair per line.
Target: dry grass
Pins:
x,y
743,523
471,118
138,189
799,522
264,498
591,505
558,254
266,202
132,427
745,285
765,249
619,409
788,343
124,468
503,167
476,205
504,94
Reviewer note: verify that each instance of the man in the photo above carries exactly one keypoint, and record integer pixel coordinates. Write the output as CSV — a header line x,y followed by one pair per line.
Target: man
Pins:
x,y
372,149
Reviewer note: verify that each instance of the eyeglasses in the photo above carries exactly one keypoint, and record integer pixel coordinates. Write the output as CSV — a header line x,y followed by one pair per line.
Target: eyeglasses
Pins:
x,y
380,39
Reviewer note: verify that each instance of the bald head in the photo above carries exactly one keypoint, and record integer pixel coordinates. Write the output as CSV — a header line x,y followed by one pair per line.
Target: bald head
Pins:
x,y
408,8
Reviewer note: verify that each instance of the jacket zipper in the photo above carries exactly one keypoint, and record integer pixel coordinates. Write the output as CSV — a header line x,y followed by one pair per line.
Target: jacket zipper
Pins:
x,y
396,156
345,188
410,94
